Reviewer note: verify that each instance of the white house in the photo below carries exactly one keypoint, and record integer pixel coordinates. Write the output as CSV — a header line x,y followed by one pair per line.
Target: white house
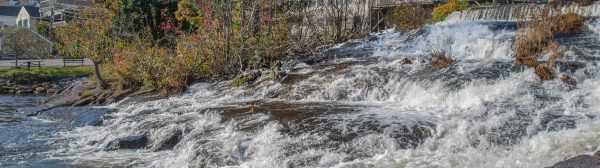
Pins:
x,y
28,16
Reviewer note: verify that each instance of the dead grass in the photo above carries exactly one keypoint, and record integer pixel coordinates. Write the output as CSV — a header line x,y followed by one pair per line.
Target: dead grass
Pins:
x,y
568,81
529,44
544,72
566,24
537,36
439,60
555,54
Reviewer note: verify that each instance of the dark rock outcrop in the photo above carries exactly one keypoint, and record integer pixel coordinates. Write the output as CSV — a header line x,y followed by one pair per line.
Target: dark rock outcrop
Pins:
x,y
86,92
8,85
72,93
129,142
170,142
581,161
70,116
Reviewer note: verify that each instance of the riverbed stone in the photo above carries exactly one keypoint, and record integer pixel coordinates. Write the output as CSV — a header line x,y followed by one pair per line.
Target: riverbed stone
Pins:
x,y
170,142
21,91
129,142
52,91
40,89
84,101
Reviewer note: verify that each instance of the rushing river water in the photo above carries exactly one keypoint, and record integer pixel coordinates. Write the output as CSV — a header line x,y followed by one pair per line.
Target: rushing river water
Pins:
x,y
25,141
372,102
361,104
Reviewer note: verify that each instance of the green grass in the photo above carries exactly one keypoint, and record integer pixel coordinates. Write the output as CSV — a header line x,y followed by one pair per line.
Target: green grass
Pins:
x,y
51,72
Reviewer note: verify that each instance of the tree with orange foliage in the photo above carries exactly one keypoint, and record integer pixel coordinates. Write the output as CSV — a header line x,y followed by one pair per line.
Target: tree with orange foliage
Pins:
x,y
88,36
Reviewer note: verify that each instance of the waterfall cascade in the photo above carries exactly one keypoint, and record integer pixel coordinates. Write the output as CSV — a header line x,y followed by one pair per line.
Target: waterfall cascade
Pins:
x,y
373,102
523,11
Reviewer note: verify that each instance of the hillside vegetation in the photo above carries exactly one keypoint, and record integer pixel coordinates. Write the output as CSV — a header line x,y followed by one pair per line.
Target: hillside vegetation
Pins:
x,y
167,45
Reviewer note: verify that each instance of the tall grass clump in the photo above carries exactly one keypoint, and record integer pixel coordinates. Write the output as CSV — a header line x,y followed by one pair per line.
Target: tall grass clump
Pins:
x,y
539,36
440,60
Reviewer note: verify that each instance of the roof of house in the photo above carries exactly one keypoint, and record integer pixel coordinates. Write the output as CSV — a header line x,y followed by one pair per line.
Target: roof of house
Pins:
x,y
14,11
33,11
10,10
10,31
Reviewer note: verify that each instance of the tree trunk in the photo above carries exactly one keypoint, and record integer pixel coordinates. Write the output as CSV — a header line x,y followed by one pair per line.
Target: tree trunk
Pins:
x,y
98,75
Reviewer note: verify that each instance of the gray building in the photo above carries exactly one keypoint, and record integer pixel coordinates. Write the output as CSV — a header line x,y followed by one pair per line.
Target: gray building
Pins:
x,y
59,11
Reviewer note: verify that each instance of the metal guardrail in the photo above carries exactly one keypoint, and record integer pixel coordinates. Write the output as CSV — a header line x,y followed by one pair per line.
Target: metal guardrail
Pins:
x,y
382,3
396,2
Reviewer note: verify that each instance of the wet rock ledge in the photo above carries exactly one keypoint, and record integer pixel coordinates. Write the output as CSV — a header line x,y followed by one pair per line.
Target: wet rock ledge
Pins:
x,y
85,92
80,104
581,161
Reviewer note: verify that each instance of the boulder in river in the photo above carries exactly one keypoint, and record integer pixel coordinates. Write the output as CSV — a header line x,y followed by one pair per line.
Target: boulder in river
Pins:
x,y
129,142
71,116
39,90
24,91
170,142
580,161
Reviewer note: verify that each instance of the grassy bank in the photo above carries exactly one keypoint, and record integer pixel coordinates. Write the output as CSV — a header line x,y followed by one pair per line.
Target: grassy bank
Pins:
x,y
58,72
44,74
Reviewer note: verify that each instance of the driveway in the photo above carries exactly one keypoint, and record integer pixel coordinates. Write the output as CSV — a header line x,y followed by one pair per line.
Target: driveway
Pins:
x,y
46,62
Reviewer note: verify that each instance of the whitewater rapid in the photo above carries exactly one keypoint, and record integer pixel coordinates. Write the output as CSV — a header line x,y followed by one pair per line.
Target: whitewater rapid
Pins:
x,y
362,105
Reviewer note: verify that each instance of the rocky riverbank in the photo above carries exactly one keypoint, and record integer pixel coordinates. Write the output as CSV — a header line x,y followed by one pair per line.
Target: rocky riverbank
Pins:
x,y
7,87
85,92
47,80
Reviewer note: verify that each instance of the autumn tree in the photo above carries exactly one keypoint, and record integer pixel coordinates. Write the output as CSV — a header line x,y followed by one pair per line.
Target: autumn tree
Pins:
x,y
238,35
166,45
88,35
135,16
44,29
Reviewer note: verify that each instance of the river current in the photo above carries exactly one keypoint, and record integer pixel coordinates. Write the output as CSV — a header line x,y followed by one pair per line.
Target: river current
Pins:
x,y
372,102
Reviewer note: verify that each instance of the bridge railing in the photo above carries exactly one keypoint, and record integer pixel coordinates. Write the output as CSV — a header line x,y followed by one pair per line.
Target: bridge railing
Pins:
x,y
397,2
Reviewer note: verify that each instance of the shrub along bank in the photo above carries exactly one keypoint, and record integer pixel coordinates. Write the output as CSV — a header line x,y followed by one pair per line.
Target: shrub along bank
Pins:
x,y
167,45
538,37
